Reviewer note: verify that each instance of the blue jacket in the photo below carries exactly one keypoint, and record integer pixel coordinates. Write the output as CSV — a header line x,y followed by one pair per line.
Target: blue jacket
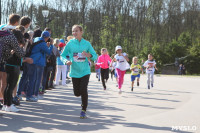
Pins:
x,y
39,52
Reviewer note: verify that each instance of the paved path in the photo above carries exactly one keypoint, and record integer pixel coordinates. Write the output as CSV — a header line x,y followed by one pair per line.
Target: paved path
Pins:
x,y
174,101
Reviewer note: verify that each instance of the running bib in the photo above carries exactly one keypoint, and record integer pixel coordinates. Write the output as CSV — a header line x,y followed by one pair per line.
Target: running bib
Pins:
x,y
151,67
79,57
136,71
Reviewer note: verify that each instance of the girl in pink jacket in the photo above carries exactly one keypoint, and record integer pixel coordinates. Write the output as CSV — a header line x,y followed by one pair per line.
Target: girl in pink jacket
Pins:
x,y
104,62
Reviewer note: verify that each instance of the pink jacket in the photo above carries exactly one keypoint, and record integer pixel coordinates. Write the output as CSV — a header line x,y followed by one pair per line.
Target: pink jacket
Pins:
x,y
104,61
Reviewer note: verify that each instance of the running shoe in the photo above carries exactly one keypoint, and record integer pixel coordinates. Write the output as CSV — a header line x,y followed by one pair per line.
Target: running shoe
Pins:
x,y
12,108
138,84
83,114
148,87
151,85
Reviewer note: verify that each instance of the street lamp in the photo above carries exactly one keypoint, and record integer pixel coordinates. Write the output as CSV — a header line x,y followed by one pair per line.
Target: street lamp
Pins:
x,y
45,14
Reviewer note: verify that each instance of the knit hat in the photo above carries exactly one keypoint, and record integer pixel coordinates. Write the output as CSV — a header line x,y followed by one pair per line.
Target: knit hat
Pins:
x,y
45,34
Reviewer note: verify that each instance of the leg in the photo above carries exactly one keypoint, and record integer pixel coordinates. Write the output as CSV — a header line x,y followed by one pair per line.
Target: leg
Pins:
x,y
107,74
23,80
3,77
64,69
32,80
58,74
52,76
148,80
76,86
103,78
39,72
119,78
152,79
84,93
12,78
122,76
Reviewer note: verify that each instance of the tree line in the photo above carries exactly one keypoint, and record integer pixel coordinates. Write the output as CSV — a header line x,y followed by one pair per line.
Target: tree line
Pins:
x,y
168,29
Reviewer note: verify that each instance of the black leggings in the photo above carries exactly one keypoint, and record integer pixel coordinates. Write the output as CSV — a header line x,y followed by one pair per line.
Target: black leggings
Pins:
x,y
80,89
12,78
104,76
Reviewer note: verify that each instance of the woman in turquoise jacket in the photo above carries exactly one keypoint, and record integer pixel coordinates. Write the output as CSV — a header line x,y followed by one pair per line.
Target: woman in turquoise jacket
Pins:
x,y
79,50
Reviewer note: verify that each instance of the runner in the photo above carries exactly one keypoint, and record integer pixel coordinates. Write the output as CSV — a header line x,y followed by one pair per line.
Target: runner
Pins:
x,y
104,61
135,69
79,50
121,67
150,66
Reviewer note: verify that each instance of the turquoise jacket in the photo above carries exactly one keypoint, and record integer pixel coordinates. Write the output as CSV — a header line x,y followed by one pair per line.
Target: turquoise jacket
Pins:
x,y
80,66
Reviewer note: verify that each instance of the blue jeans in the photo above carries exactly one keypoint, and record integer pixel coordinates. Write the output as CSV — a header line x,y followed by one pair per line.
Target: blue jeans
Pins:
x,y
34,80
39,73
24,79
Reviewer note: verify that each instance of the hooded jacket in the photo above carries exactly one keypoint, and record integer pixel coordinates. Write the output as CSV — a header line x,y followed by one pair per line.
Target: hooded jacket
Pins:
x,y
39,52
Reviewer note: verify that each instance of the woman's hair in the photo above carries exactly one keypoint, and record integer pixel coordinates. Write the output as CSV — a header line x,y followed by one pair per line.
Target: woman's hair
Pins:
x,y
56,41
135,58
19,36
25,20
104,49
21,28
37,33
69,38
79,26
150,55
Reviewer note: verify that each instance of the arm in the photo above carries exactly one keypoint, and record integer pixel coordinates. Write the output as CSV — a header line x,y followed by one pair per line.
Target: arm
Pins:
x,y
46,49
92,54
64,54
156,67
126,57
113,60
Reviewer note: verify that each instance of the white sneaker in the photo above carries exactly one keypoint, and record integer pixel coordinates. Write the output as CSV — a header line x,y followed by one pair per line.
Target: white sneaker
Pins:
x,y
64,84
3,108
12,108
120,91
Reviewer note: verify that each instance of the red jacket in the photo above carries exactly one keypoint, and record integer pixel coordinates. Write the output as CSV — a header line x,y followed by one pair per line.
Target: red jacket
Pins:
x,y
104,61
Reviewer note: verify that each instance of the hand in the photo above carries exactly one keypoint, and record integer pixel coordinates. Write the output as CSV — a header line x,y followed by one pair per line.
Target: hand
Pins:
x,y
48,44
12,52
69,63
86,54
28,60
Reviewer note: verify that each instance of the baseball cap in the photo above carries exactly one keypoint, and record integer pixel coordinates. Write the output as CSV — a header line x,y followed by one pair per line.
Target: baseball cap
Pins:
x,y
62,40
117,48
45,34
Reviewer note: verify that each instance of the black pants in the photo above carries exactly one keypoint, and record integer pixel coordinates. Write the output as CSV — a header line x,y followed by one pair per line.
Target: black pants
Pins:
x,y
80,89
52,74
112,73
12,78
104,76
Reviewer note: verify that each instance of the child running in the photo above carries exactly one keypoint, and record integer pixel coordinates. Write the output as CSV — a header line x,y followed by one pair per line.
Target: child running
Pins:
x,y
121,67
79,50
104,61
135,69
150,66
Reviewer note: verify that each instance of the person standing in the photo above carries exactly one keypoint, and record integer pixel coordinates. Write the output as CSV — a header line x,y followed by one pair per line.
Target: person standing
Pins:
x,y
79,50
